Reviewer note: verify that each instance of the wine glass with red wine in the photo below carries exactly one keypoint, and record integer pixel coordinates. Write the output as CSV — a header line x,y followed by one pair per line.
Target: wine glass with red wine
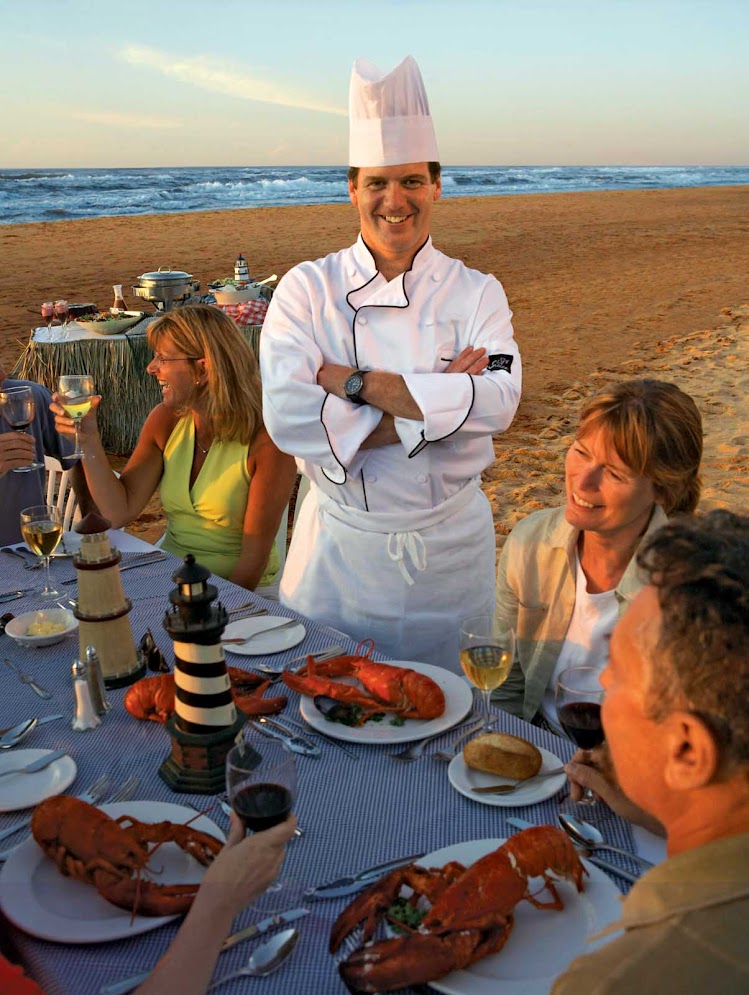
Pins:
x,y
261,786
578,699
19,410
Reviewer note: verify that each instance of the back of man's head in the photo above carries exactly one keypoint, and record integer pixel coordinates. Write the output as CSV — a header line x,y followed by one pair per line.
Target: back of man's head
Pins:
x,y
700,569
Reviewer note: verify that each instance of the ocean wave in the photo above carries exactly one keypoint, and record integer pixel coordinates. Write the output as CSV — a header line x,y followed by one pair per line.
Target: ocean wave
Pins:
x,y
28,195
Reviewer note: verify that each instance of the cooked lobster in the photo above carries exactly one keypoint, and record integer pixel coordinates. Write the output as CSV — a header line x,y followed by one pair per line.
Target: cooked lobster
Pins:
x,y
153,697
112,854
399,690
471,913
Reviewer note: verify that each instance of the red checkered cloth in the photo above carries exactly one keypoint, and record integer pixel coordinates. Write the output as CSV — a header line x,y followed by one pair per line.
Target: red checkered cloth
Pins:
x,y
247,313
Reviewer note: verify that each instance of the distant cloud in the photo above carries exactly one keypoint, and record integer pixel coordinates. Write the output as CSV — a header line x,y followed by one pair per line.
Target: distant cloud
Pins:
x,y
125,120
210,74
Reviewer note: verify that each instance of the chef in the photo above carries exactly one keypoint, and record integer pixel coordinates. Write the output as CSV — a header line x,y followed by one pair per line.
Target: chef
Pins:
x,y
387,368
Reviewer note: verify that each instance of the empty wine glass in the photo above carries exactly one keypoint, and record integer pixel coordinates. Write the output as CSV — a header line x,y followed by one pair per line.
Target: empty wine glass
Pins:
x,y
261,787
487,650
76,392
41,528
62,311
578,697
19,410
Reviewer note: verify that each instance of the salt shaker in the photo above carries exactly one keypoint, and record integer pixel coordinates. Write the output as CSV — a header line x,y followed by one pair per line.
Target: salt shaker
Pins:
x,y
85,714
95,680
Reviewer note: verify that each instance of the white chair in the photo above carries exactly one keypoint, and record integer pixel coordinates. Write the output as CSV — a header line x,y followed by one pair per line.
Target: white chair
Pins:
x,y
270,591
60,492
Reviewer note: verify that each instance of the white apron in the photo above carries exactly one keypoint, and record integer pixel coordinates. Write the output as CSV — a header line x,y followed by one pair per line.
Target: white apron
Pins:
x,y
403,579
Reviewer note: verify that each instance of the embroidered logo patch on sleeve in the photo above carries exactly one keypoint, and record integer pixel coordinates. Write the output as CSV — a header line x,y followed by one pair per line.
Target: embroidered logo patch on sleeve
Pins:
x,y
500,361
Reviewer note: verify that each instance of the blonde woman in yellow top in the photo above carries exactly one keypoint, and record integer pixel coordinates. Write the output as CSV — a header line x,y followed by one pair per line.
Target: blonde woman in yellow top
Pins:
x,y
224,484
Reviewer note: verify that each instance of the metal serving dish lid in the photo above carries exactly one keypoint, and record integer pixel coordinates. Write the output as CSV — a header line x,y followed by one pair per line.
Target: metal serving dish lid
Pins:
x,y
165,278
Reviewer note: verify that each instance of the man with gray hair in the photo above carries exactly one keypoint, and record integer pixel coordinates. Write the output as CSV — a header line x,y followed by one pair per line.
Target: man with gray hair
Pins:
x,y
676,716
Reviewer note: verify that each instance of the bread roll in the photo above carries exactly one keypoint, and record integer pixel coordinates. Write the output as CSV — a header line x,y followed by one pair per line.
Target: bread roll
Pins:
x,y
502,754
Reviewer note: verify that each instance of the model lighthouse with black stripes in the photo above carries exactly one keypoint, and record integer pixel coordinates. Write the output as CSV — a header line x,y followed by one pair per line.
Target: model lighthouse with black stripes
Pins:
x,y
205,724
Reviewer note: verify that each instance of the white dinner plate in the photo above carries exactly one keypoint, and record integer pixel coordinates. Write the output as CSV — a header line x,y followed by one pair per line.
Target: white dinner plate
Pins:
x,y
269,642
36,897
464,778
24,790
542,942
458,702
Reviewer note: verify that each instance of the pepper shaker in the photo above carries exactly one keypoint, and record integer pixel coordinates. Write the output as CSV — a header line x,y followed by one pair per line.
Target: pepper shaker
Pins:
x,y
85,716
95,680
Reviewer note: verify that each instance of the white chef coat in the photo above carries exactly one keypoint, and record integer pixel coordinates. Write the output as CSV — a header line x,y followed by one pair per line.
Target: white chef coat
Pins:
x,y
341,310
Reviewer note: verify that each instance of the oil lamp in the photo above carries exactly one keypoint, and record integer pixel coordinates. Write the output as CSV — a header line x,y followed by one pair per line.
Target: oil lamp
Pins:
x,y
205,724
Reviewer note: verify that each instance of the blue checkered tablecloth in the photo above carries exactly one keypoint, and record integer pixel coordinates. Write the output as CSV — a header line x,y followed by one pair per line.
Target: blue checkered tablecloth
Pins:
x,y
354,813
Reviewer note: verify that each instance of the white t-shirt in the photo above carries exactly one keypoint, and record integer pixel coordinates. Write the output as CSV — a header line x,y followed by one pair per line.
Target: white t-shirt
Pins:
x,y
586,643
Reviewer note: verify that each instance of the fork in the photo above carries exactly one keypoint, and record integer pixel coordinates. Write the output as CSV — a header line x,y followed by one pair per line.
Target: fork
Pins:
x,y
276,673
27,679
125,791
93,795
26,565
452,750
415,751
242,640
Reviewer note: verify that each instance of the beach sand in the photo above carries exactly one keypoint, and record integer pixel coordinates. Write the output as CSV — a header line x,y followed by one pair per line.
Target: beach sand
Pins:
x,y
603,286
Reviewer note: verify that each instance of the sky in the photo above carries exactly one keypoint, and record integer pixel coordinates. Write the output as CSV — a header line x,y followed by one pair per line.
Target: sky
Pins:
x,y
87,83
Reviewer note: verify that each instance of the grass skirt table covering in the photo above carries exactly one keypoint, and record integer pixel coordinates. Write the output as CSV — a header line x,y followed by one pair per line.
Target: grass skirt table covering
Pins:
x,y
118,365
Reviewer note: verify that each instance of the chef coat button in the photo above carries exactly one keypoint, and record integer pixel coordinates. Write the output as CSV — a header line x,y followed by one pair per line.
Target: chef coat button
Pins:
x,y
429,321
362,321
371,479
436,277
421,477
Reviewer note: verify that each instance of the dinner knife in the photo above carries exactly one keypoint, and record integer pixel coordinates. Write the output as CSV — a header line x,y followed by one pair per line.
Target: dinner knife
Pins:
x,y
256,929
605,865
39,764
12,595
351,883
148,558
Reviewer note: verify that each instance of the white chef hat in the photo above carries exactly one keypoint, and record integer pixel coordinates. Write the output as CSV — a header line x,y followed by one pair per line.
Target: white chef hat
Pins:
x,y
389,120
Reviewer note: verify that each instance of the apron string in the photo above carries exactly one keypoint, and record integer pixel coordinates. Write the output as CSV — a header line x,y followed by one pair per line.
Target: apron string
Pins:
x,y
411,543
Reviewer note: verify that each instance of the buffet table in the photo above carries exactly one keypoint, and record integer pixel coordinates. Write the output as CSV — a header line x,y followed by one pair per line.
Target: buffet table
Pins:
x,y
355,810
118,365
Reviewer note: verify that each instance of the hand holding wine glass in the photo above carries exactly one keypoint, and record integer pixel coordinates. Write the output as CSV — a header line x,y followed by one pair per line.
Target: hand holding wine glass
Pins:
x,y
75,396
487,651
578,696
41,528
19,410
261,787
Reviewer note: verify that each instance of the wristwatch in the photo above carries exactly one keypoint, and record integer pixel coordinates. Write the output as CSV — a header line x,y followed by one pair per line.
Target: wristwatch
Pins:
x,y
354,386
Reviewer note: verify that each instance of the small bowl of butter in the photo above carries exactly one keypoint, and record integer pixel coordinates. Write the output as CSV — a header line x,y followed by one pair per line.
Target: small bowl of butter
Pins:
x,y
42,628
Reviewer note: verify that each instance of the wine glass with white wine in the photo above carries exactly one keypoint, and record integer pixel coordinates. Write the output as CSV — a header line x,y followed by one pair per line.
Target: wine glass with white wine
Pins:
x,y
76,392
487,650
41,528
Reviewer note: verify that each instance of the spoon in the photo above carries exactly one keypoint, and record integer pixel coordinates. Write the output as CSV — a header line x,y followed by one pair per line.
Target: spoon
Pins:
x,y
265,959
17,734
589,837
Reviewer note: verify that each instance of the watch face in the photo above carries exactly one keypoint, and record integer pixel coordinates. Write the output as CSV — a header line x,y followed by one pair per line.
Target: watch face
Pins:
x,y
354,384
